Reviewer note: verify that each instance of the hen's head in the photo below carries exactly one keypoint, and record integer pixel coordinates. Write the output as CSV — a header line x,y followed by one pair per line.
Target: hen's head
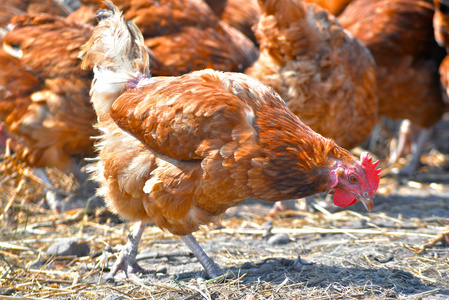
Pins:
x,y
355,182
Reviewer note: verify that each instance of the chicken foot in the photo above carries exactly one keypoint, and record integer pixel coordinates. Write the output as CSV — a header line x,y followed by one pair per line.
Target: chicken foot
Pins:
x,y
127,258
212,270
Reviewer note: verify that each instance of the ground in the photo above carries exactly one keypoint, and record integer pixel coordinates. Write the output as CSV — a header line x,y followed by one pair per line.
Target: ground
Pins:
x,y
398,251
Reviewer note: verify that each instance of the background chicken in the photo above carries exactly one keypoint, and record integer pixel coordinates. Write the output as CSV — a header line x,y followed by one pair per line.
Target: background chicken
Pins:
x,y
183,35
325,76
44,94
399,34
179,151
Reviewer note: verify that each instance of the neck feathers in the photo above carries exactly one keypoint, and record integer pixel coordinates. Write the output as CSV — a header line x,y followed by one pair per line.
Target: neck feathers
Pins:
x,y
297,161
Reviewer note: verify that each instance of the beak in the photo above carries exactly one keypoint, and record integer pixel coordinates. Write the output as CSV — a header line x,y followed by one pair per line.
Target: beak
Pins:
x,y
367,202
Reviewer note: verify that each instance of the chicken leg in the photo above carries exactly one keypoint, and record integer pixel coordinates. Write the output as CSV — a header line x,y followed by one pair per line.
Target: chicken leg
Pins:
x,y
212,270
417,150
404,134
417,147
127,259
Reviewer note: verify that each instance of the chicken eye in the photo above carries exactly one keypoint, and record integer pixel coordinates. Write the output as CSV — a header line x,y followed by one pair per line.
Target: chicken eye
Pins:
x,y
353,178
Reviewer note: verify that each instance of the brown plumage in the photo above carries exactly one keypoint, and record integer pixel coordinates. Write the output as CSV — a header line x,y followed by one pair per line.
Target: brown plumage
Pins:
x,y
44,95
441,31
179,151
441,23
240,14
399,34
245,14
185,35
325,76
335,7
10,8
444,79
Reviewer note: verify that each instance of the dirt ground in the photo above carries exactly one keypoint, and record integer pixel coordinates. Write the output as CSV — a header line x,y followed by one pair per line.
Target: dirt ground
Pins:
x,y
398,251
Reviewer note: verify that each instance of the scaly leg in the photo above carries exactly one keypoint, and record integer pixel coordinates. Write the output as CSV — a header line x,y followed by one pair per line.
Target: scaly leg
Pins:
x,y
403,136
417,149
127,258
209,265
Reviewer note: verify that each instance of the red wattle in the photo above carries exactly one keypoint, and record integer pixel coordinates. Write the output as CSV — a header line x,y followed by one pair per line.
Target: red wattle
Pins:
x,y
344,198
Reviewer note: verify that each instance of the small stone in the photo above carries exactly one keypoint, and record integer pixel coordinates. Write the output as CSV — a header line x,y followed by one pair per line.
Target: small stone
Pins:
x,y
279,239
68,247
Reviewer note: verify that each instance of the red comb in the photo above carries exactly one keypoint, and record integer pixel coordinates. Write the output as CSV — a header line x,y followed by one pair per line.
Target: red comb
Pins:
x,y
372,173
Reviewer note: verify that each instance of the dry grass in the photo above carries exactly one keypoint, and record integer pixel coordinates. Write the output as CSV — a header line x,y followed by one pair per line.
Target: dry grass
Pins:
x,y
382,255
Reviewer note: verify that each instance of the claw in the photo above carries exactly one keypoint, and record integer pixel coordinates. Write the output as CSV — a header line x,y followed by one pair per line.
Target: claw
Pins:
x,y
126,261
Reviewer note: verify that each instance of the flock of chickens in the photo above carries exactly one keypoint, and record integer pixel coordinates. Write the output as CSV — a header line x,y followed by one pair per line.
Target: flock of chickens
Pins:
x,y
198,105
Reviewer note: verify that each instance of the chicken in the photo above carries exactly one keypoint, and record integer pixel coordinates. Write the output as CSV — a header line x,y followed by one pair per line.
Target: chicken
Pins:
x,y
180,151
399,34
44,94
184,35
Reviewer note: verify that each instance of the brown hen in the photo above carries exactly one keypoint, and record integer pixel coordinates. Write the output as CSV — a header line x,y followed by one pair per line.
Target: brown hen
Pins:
x,y
44,94
399,34
179,151
184,35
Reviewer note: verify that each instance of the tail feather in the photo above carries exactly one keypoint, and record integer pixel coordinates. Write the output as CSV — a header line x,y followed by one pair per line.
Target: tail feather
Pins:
x,y
118,57
116,45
